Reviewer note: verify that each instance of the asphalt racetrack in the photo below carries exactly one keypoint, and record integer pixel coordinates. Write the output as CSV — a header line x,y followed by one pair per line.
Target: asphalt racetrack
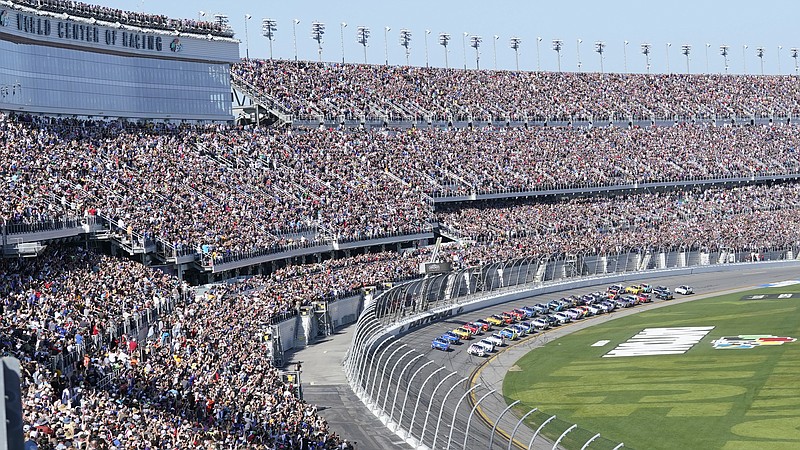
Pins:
x,y
346,413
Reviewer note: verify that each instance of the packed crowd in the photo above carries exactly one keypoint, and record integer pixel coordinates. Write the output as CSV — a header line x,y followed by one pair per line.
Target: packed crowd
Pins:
x,y
139,19
309,90
228,191
200,375
747,218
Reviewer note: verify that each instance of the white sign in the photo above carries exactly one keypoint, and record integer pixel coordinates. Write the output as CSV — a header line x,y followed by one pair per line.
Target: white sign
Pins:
x,y
660,341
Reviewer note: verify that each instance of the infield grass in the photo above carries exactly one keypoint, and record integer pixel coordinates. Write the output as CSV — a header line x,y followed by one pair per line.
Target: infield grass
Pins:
x,y
706,398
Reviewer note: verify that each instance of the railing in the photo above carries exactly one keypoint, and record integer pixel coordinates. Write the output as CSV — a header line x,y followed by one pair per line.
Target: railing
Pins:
x,y
432,407
40,225
126,325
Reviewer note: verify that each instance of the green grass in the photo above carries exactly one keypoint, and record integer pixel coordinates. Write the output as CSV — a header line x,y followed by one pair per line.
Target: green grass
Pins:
x,y
704,399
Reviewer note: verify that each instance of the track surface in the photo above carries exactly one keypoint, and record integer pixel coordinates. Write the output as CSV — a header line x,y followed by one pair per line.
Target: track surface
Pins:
x,y
348,415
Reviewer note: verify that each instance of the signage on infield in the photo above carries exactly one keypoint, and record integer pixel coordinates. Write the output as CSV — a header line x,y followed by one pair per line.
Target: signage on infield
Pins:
x,y
660,341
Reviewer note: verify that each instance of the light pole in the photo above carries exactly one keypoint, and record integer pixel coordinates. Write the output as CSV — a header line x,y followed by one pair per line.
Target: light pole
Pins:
x,y
405,41
342,26
427,32
686,49
494,46
475,42
744,58
317,30
760,54
795,53
464,47
579,54
780,47
514,44
723,50
295,22
247,18
646,52
599,47
362,36
668,46
707,46
625,56
386,31
557,45
268,29
538,60
444,38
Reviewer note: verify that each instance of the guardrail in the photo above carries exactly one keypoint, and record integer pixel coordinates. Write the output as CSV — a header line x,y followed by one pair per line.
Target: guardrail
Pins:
x,y
431,407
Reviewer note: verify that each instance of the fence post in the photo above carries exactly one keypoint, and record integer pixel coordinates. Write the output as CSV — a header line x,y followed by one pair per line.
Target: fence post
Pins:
x,y
558,441
380,357
590,441
494,428
430,404
383,373
530,445
419,396
441,410
469,419
455,410
511,439
397,389
391,374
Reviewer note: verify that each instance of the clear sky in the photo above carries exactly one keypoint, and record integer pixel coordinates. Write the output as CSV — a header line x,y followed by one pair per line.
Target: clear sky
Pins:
x,y
678,22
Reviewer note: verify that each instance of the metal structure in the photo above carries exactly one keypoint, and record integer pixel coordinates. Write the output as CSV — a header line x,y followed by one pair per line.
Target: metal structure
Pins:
x,y
247,18
405,41
538,59
268,29
427,32
558,44
444,39
723,50
464,47
342,26
600,47
667,53
760,54
295,22
418,398
386,31
475,42
625,56
646,52
362,37
578,51
514,43
317,31
795,53
686,49
744,59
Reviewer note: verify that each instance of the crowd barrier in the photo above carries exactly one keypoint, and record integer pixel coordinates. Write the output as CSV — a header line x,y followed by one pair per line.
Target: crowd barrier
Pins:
x,y
431,407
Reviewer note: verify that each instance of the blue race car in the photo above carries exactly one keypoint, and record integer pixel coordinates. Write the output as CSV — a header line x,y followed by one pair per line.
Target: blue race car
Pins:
x,y
451,337
440,344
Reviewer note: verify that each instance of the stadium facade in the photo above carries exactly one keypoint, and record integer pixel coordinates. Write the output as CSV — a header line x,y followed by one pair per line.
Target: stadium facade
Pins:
x,y
58,63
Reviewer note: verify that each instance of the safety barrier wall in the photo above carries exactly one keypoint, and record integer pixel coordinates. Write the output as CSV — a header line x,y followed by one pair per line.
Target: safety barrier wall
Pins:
x,y
432,407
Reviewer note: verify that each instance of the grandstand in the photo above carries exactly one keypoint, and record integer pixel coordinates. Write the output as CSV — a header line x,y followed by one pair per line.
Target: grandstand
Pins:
x,y
116,201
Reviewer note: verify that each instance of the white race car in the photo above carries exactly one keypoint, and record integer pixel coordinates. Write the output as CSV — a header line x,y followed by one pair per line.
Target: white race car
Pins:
x,y
476,349
684,289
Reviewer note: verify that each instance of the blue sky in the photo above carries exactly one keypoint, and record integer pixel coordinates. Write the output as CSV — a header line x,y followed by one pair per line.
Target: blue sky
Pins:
x,y
697,23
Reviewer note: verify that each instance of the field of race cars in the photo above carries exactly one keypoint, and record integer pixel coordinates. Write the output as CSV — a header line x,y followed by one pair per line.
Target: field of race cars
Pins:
x,y
483,337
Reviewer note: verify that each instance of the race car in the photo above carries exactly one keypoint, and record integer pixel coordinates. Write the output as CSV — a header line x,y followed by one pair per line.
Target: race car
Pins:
x,y
440,344
487,344
521,313
472,328
521,330
509,334
540,323
633,289
451,337
646,288
644,298
476,349
485,326
663,294
495,321
462,333
496,339
684,289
